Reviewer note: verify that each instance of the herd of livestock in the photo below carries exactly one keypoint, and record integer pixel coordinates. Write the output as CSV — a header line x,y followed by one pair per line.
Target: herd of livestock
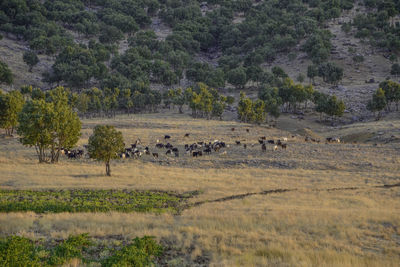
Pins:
x,y
196,149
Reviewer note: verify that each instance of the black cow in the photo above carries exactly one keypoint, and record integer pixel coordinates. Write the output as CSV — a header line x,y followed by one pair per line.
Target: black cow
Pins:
x,y
169,146
237,142
244,146
187,135
167,137
175,149
207,150
155,155
169,152
159,145
271,142
264,148
261,141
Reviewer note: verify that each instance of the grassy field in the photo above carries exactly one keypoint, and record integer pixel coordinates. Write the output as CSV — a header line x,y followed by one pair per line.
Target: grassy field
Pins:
x,y
357,224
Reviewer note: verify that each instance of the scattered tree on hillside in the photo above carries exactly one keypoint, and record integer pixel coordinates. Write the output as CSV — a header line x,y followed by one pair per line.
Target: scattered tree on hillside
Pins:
x,y
330,72
31,59
6,75
105,144
378,102
392,93
237,77
329,105
10,106
395,70
312,72
251,111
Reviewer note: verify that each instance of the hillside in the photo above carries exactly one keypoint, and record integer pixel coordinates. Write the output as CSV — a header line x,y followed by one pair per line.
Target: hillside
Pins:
x,y
170,45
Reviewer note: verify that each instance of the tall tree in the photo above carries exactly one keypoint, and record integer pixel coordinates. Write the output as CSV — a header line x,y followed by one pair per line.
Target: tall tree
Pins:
x,y
31,59
6,75
10,106
36,127
104,144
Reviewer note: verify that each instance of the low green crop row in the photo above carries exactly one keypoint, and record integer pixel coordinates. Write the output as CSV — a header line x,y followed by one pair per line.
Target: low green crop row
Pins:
x,y
19,251
80,200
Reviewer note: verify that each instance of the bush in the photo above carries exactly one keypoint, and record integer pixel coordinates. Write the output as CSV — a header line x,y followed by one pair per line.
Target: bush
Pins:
x,y
140,253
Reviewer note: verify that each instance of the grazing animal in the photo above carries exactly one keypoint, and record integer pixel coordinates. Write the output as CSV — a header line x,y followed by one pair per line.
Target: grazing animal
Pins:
x,y
195,154
263,138
271,142
237,142
279,143
248,130
275,148
187,135
175,149
186,146
122,155
169,146
133,146
223,153
261,141
207,150
233,129
176,154
155,155
244,146
264,148
159,145
167,137
169,152
284,146
285,139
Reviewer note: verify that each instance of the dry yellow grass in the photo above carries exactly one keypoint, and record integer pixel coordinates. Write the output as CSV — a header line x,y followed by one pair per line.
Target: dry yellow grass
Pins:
x,y
301,228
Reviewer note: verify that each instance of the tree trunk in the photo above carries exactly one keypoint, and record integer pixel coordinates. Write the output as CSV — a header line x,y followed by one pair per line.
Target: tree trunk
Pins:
x,y
108,170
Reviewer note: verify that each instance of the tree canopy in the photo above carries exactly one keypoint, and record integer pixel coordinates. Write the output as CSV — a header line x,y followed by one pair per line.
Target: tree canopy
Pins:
x,y
105,144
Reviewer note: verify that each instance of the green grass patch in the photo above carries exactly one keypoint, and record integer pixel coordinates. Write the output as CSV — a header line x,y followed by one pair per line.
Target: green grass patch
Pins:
x,y
80,200
20,251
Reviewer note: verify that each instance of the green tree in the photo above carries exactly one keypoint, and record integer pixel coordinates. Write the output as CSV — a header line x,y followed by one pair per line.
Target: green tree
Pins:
x,y
6,75
31,59
395,70
259,111
330,72
335,107
245,108
392,93
10,106
104,144
237,77
49,125
66,126
378,102
36,127
312,72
